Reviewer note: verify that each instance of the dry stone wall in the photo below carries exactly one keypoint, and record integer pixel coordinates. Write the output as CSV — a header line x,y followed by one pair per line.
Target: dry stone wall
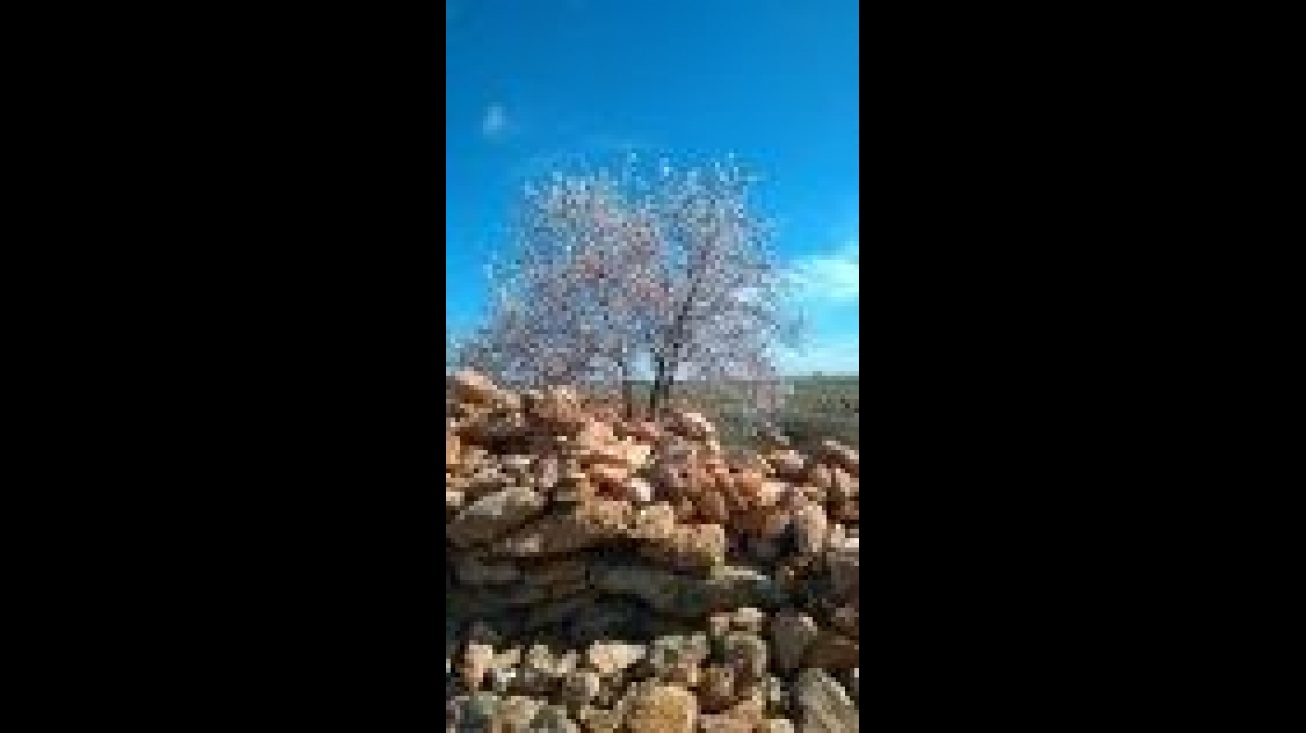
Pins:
x,y
612,575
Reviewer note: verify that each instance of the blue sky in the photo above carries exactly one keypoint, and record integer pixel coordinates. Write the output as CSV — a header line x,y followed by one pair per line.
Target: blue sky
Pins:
x,y
532,84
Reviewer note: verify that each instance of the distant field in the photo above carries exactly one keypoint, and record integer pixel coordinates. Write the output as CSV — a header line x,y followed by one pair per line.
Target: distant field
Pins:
x,y
817,408
824,407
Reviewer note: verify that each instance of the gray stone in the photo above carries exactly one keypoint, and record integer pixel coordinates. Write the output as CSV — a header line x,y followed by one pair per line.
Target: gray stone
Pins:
x,y
688,596
553,719
746,654
493,516
823,705
791,634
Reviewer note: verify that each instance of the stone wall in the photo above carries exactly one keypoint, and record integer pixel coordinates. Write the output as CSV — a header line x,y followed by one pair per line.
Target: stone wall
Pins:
x,y
605,575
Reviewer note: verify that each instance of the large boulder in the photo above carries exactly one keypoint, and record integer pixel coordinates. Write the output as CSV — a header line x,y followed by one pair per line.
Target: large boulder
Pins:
x,y
492,516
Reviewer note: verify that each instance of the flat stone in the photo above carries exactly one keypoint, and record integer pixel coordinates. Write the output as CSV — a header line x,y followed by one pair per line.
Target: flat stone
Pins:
x,y
823,704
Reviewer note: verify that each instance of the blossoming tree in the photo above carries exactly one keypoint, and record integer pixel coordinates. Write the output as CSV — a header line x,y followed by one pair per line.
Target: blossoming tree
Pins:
x,y
612,278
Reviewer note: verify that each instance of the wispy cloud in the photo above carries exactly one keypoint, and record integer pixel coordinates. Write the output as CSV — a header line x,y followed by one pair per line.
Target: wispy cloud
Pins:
x,y
832,276
826,290
494,125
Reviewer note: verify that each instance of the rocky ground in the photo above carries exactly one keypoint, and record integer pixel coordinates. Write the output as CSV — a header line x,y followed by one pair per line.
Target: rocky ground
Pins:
x,y
606,575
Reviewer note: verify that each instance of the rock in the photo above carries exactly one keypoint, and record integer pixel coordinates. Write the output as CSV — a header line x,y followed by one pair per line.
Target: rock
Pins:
x,y
762,550
676,659
573,490
771,493
474,388
472,713
810,528
774,695
716,689
637,455
515,714
473,570
662,709
713,508
452,449
482,481
808,494
509,657
547,473
567,662
611,479
748,620
719,624
692,425
833,651
820,476
688,596
791,634
836,537
746,654
477,660
638,490
553,719
492,516
562,533
495,600
768,522
627,456
594,436
654,586
845,511
844,619
519,465
611,658
654,524
844,565
481,632
556,410
580,687
745,717
600,617
843,487
823,705
771,436
563,610
691,547
786,463
598,720
573,527
454,500
501,680
840,455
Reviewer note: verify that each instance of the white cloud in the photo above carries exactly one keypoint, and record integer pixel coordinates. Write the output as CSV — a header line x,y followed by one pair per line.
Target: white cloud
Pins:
x,y
495,122
826,289
829,276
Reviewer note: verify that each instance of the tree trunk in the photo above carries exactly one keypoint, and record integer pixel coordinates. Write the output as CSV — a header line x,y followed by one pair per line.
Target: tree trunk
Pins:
x,y
655,392
627,394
